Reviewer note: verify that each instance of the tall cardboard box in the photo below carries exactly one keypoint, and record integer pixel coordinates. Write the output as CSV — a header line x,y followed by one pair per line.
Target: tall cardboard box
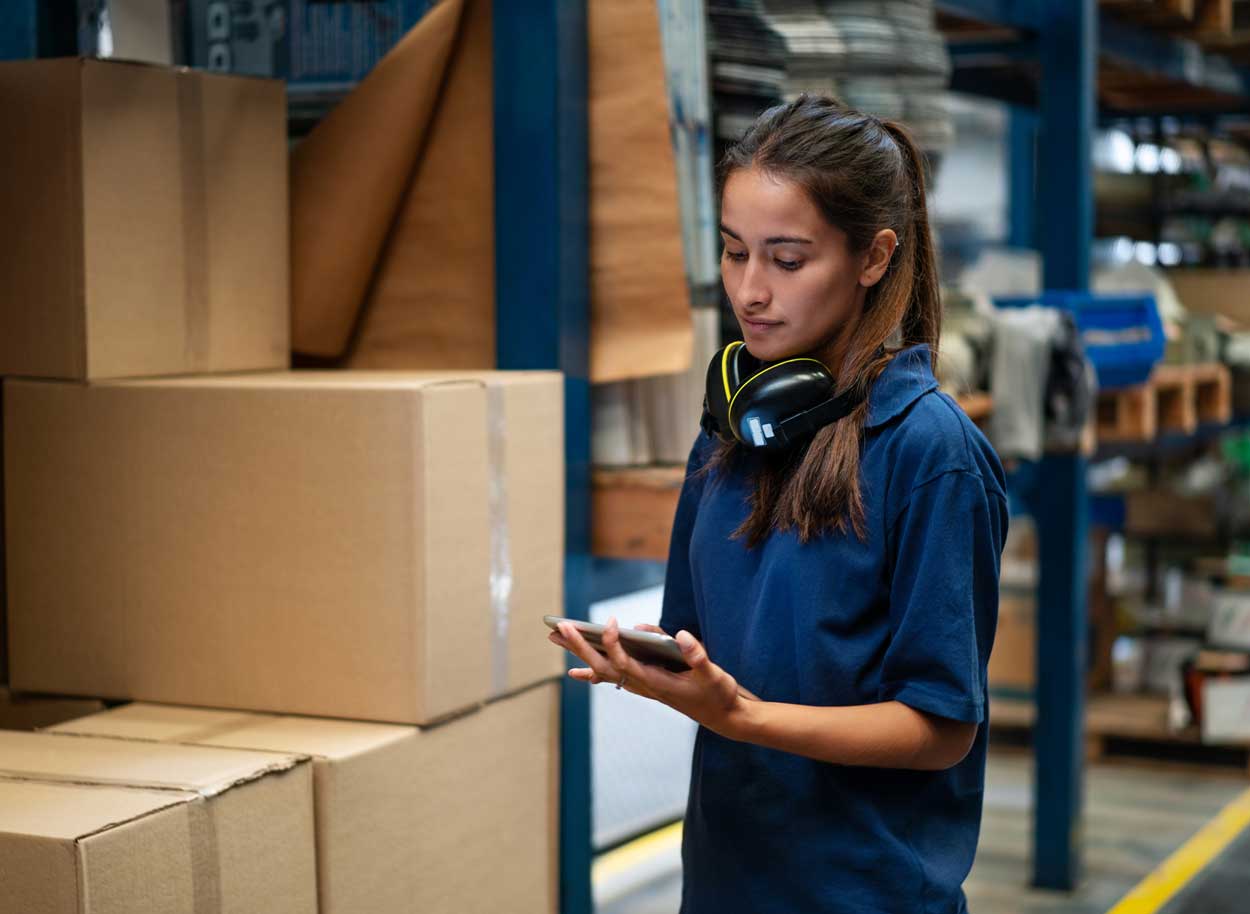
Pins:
x,y
310,543
105,826
145,227
459,817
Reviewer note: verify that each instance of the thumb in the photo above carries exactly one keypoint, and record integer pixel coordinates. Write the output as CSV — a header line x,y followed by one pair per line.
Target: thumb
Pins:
x,y
692,651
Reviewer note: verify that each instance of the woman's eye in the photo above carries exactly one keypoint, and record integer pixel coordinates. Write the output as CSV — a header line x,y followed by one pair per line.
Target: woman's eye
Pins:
x,y
789,264
735,255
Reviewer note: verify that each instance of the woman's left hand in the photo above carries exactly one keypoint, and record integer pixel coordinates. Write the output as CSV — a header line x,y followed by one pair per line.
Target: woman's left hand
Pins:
x,y
705,693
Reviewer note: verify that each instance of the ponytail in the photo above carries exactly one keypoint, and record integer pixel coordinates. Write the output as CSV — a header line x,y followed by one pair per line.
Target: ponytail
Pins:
x,y
922,320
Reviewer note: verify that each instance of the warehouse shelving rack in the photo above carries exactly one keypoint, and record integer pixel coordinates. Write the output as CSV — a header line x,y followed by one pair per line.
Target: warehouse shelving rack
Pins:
x,y
543,321
1061,64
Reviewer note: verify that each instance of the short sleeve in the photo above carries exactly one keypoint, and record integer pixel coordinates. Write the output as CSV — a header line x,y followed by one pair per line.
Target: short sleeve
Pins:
x,y
678,611
946,546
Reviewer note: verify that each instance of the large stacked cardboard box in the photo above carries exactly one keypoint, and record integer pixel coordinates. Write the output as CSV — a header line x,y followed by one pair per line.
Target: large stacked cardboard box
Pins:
x,y
187,521
310,543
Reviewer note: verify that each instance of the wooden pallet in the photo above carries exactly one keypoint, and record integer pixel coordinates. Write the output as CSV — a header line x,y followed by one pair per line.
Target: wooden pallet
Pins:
x,y
1173,14
1176,400
1196,18
1129,727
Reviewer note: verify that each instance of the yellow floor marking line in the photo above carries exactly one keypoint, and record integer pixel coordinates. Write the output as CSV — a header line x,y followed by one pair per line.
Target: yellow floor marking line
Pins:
x,y
628,855
1172,875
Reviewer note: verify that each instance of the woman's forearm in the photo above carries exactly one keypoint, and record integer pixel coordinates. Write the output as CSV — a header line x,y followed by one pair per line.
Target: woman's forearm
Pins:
x,y
885,735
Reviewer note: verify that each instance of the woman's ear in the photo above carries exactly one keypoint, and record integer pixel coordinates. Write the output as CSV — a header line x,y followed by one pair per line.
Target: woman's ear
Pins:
x,y
877,259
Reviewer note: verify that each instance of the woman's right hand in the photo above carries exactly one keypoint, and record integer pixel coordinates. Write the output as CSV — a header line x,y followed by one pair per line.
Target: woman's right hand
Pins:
x,y
644,627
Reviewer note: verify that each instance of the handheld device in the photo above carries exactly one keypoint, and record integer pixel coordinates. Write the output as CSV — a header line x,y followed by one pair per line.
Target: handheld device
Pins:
x,y
645,647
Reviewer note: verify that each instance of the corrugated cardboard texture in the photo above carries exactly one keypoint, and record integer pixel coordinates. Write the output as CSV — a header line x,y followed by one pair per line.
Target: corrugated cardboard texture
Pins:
x,y
408,819
356,162
640,302
41,195
432,303
147,221
56,841
423,294
249,819
34,712
312,544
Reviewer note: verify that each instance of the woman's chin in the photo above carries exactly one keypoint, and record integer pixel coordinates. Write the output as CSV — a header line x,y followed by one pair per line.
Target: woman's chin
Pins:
x,y
769,351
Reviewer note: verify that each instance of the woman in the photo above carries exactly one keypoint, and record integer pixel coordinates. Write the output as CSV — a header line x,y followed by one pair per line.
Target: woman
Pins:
x,y
836,604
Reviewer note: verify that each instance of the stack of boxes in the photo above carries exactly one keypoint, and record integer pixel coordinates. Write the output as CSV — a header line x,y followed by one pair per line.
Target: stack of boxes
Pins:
x,y
324,588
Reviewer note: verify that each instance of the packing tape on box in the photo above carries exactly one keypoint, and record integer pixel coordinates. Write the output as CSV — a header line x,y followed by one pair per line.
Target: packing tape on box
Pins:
x,y
205,859
500,547
191,140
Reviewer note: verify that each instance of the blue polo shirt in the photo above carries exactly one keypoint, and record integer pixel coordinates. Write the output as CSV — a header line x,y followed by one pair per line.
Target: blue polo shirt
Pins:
x,y
907,615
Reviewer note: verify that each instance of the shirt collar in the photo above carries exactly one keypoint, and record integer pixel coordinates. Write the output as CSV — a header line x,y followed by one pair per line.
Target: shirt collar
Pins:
x,y
907,377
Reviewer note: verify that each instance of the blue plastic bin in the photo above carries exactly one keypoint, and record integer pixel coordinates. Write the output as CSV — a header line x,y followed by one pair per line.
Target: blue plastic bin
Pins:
x,y
1122,333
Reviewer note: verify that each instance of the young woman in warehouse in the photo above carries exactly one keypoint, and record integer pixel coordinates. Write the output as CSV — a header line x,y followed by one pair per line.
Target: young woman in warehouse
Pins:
x,y
835,598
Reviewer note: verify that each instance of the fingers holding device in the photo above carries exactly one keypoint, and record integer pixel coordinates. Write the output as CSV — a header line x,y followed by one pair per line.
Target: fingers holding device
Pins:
x,y
646,645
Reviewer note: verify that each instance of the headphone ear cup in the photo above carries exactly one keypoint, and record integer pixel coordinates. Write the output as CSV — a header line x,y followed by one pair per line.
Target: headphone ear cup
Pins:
x,y
716,398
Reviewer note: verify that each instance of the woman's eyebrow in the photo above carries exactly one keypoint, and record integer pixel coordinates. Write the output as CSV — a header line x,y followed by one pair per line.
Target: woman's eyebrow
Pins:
x,y
776,239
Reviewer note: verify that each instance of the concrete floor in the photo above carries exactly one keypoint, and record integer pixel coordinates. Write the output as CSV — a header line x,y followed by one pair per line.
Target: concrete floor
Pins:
x,y
1136,816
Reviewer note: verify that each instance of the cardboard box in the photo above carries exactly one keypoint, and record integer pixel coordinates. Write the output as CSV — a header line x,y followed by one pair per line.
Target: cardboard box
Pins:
x,y
34,712
1168,513
1224,292
310,543
1230,621
459,817
146,224
1226,710
106,826
1013,661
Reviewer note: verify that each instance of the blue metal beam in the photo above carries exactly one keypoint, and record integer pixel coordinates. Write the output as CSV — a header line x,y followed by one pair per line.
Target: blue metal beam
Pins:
x,y
38,28
1021,176
1016,14
542,316
1068,46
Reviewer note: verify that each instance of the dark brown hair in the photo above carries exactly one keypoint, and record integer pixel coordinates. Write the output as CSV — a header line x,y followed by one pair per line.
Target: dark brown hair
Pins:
x,y
864,175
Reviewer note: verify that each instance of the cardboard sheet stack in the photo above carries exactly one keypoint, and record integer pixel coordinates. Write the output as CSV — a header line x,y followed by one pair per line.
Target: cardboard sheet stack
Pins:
x,y
190,523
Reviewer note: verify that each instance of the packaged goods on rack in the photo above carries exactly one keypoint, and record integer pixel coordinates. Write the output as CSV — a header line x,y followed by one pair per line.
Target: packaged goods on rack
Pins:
x,y
407,819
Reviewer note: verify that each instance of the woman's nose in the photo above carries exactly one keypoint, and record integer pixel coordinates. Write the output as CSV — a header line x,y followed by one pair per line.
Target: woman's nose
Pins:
x,y
753,291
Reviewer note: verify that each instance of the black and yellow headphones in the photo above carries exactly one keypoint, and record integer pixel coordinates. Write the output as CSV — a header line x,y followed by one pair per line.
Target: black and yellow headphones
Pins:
x,y
769,406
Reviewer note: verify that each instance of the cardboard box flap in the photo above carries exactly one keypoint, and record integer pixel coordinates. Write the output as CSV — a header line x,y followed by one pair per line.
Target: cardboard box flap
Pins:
x,y
72,812
159,723
305,380
348,178
168,766
312,736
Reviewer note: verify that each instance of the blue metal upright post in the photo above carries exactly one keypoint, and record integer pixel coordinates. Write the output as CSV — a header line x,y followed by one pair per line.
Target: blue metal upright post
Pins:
x,y
1021,177
542,315
1067,43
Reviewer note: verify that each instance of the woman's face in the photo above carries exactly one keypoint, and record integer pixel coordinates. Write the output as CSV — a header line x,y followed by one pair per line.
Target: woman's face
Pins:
x,y
793,281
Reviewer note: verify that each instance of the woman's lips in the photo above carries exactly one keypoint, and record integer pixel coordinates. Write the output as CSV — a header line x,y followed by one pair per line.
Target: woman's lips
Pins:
x,y
761,326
